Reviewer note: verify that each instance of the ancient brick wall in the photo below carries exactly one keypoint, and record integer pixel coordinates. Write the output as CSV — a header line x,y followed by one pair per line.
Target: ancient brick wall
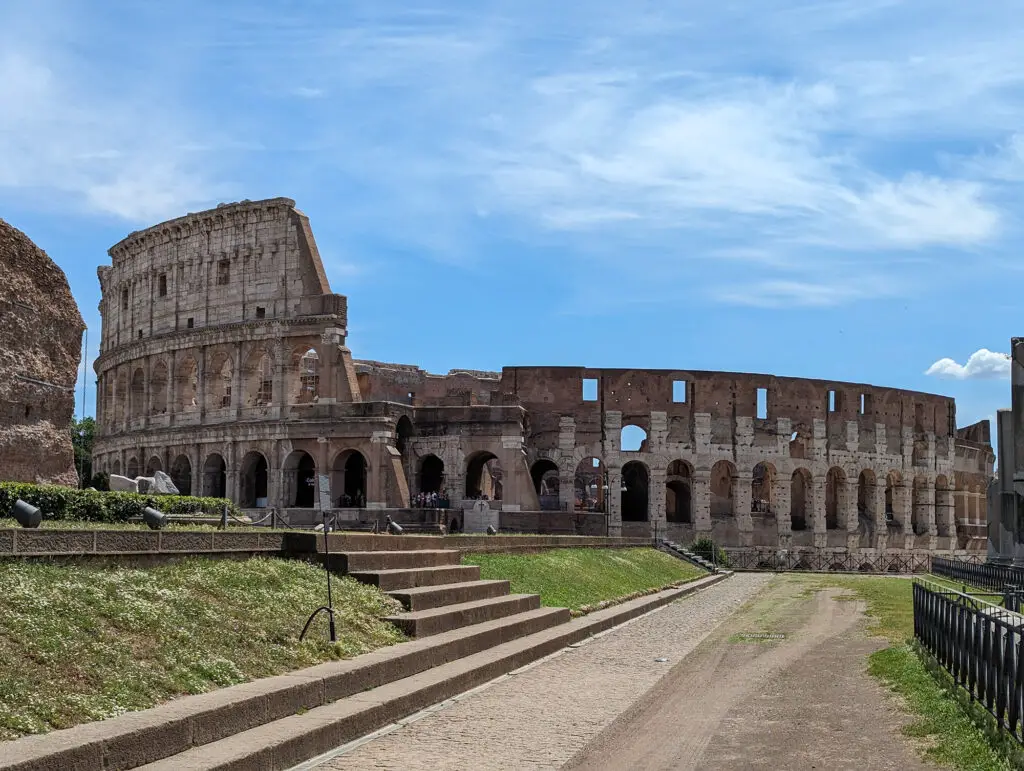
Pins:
x,y
40,350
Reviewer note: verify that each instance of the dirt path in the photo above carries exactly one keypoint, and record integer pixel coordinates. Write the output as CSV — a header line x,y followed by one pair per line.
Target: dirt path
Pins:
x,y
805,702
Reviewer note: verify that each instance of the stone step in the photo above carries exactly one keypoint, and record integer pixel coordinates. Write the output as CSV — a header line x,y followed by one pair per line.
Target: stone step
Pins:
x,y
408,578
361,561
294,739
427,597
136,738
422,623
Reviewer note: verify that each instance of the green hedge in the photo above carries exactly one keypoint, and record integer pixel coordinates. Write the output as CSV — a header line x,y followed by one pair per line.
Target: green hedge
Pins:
x,y
69,504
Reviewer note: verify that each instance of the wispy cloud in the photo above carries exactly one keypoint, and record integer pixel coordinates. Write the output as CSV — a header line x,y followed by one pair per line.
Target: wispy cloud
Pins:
x,y
983,364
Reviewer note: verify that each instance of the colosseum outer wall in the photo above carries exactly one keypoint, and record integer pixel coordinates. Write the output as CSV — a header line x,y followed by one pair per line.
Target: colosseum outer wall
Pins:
x,y
225,363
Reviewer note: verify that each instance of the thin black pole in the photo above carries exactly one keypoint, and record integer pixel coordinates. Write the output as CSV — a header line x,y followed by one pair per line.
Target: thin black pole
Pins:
x,y
327,567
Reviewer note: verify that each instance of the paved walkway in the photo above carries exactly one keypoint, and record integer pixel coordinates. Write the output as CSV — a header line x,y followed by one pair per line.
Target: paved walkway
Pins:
x,y
541,717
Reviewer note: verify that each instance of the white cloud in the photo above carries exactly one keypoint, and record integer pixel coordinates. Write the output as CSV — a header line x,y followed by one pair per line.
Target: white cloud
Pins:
x,y
783,294
983,364
306,92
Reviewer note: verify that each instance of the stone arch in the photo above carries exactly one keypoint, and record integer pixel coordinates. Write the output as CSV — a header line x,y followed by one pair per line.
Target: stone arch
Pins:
x,y
590,483
181,474
544,473
483,476
153,465
892,482
255,481
762,488
431,474
300,480
723,489
635,492
220,375
259,379
349,478
306,364
799,496
115,467
679,492
215,476
187,385
132,468
158,382
138,397
632,438
835,496
404,432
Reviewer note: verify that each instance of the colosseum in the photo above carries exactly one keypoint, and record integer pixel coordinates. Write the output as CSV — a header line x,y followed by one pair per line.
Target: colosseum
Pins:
x,y
224,362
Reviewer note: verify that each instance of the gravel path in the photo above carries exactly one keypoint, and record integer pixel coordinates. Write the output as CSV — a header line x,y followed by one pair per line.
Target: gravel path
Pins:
x,y
542,716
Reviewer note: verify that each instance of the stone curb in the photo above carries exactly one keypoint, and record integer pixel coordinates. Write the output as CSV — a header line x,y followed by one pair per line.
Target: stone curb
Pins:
x,y
132,740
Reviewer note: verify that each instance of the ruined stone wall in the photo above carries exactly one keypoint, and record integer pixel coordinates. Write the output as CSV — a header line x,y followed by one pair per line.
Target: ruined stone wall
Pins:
x,y
40,350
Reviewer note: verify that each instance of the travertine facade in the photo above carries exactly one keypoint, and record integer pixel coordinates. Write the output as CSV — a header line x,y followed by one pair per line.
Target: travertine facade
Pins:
x,y
224,362
40,350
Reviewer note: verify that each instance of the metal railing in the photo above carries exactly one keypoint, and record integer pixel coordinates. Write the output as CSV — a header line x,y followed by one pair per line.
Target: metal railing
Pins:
x,y
981,645
767,558
985,575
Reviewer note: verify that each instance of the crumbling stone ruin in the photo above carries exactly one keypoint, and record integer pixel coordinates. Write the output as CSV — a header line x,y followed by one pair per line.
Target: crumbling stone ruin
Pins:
x,y
40,350
225,361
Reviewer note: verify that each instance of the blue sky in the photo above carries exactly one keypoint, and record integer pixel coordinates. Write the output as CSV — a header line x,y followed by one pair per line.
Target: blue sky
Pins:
x,y
819,189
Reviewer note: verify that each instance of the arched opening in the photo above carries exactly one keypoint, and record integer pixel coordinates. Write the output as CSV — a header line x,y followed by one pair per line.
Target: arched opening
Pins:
x,y
181,474
138,393
308,368
153,465
259,380
835,496
158,388
132,468
723,495
255,481
121,397
635,488
348,479
219,378
483,476
187,386
866,495
892,483
762,484
799,493
300,480
590,485
115,467
632,439
544,474
403,433
215,476
431,474
678,492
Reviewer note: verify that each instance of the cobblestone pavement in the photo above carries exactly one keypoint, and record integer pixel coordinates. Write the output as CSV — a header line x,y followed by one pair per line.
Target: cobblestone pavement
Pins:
x,y
541,717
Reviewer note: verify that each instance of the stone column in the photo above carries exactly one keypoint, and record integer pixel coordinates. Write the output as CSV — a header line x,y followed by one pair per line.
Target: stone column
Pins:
x,y
375,495
901,499
742,499
848,510
881,526
817,507
201,388
781,504
231,479
275,475
236,382
656,513
924,511
197,471
701,501
613,501
172,388
566,484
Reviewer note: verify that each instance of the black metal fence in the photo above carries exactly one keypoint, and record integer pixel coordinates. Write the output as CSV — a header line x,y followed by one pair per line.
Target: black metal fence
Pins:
x,y
758,558
985,575
979,644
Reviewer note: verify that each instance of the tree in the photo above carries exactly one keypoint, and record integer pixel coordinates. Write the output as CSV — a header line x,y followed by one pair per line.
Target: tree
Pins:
x,y
82,434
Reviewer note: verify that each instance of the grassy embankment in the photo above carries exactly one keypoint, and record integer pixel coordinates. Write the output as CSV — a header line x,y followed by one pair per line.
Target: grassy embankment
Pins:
x,y
580,578
84,643
950,734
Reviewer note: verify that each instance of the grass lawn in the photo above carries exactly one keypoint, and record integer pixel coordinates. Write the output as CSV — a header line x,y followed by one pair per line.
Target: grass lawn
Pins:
x,y
949,735
84,643
575,578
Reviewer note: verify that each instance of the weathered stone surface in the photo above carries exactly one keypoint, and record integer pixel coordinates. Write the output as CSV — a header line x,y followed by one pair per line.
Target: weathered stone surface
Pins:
x,y
122,484
144,484
40,349
162,485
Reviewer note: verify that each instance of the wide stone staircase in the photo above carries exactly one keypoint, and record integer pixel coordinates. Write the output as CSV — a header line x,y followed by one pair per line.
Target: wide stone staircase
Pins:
x,y
685,554
466,632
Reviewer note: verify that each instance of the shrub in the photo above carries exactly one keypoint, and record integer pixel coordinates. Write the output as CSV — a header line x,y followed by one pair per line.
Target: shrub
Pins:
x,y
69,504
707,549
